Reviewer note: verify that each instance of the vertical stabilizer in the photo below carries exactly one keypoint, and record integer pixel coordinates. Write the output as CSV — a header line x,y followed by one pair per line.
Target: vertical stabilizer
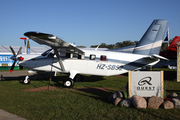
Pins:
x,y
151,41
171,52
173,45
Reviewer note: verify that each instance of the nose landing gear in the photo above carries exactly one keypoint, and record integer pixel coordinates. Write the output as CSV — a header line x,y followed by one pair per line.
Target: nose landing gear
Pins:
x,y
26,80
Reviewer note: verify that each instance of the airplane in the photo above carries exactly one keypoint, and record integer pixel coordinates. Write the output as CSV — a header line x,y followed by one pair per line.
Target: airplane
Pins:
x,y
66,58
170,54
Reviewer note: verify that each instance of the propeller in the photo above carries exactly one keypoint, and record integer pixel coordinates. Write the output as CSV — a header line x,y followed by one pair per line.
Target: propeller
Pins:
x,y
14,57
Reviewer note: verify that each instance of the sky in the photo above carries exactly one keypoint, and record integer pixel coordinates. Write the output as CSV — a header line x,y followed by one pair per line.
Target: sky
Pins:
x,y
85,22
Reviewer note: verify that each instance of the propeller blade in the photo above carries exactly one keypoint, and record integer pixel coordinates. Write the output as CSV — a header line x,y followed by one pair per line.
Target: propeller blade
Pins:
x,y
14,57
19,50
12,50
12,67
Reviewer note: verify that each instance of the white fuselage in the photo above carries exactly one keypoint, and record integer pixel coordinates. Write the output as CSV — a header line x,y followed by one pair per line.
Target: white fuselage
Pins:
x,y
104,63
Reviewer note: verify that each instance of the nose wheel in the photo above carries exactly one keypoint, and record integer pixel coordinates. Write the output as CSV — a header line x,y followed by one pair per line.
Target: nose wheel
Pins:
x,y
69,83
26,80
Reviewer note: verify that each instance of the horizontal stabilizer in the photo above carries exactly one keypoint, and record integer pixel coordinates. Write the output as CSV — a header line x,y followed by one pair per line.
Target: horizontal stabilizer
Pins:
x,y
158,56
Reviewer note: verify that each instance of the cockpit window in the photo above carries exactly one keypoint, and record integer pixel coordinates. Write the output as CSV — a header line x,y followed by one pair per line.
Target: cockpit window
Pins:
x,y
46,52
51,54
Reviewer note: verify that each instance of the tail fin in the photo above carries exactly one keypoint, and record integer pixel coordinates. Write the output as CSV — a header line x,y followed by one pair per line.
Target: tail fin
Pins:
x,y
173,45
171,51
151,41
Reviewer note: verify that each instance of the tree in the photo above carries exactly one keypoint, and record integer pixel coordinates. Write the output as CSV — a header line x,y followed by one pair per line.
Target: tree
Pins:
x,y
125,43
103,45
117,45
111,46
164,46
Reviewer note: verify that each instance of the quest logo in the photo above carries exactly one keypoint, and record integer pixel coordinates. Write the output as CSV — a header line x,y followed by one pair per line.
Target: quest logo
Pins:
x,y
145,81
145,84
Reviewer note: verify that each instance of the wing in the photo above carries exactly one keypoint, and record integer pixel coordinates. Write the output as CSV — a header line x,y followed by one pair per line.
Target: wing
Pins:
x,y
55,43
52,41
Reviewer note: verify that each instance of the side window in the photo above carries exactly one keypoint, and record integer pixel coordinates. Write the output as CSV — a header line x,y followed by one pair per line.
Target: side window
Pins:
x,y
69,55
103,58
80,56
92,57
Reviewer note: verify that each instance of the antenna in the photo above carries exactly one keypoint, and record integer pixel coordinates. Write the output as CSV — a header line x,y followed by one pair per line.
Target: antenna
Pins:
x,y
97,47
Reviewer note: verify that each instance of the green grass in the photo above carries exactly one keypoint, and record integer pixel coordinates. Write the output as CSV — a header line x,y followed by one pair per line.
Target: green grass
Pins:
x,y
77,104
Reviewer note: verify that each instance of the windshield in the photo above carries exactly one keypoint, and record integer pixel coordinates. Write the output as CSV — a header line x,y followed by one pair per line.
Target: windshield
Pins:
x,y
46,52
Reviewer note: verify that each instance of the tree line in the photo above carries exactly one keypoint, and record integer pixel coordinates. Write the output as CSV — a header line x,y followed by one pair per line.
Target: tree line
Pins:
x,y
117,45
124,44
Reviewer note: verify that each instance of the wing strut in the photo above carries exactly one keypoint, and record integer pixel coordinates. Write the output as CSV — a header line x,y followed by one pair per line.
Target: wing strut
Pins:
x,y
59,59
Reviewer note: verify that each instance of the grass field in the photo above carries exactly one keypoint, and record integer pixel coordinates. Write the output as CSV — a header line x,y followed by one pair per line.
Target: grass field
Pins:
x,y
78,103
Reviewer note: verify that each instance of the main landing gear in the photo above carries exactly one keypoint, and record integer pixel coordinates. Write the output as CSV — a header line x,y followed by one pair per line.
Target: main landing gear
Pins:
x,y
69,83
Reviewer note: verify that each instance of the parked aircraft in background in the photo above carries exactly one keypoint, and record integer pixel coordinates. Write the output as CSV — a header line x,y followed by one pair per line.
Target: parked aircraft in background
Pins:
x,y
170,54
66,58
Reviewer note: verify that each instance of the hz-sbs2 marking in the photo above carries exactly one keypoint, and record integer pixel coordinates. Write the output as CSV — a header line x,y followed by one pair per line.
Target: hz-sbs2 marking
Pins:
x,y
109,67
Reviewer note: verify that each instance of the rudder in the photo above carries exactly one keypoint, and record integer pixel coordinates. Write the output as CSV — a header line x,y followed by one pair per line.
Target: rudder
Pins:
x,y
151,41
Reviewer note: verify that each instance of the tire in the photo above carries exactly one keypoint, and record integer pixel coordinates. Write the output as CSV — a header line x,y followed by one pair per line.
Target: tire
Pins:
x,y
78,78
69,83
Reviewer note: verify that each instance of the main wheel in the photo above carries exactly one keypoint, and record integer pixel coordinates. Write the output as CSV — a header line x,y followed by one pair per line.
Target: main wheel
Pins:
x,y
78,78
69,83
